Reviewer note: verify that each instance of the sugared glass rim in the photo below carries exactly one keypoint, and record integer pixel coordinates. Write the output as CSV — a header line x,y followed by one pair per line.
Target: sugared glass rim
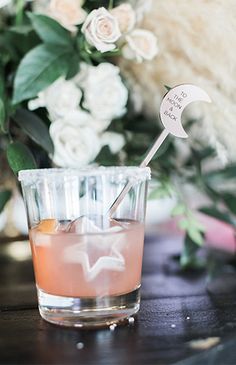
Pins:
x,y
130,172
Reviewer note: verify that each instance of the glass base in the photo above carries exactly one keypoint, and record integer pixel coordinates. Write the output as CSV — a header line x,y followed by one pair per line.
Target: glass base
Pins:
x,y
88,312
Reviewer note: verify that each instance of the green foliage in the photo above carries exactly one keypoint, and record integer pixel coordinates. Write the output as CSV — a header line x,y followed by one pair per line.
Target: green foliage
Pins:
x,y
214,212
162,190
168,88
50,31
2,116
3,103
189,223
21,29
106,158
220,175
189,258
38,69
229,200
4,197
35,128
194,235
18,41
74,66
94,4
20,157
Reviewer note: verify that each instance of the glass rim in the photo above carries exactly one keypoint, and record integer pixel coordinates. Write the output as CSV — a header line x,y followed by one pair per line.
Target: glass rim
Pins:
x,y
136,172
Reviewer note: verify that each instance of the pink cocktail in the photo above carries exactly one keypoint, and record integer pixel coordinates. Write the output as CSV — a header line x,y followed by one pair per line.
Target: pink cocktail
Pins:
x,y
87,263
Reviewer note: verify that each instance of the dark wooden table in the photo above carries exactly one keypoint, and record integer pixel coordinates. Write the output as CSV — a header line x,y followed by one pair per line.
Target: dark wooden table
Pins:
x,y
176,309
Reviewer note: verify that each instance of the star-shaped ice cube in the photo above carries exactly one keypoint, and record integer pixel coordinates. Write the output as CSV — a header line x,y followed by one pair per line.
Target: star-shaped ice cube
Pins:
x,y
99,240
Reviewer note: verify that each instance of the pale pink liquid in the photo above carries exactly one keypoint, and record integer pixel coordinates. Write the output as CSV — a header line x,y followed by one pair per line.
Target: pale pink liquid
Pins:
x,y
59,270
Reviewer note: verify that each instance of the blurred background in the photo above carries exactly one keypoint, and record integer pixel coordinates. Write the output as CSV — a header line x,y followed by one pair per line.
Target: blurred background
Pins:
x,y
60,116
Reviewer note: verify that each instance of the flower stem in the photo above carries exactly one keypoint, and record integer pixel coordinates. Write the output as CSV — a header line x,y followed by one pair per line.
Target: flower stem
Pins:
x,y
110,6
19,11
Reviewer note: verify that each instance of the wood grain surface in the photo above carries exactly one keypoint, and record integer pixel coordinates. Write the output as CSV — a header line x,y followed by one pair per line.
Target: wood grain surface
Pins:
x,y
176,309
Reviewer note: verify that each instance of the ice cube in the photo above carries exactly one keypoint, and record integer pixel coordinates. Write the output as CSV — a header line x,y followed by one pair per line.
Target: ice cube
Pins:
x,y
96,253
63,226
94,224
83,225
114,223
75,255
40,239
113,229
114,226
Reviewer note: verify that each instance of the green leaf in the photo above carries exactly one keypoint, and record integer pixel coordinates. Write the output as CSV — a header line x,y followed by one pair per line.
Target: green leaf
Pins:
x,y
49,30
4,197
38,69
193,222
35,128
179,209
21,29
230,201
168,88
2,84
189,257
106,158
202,154
229,172
157,193
164,189
74,67
2,116
20,43
183,224
20,157
217,214
195,235
194,229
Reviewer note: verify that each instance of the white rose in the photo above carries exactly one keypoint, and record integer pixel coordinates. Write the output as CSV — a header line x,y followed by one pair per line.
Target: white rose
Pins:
x,y
126,17
115,141
80,78
68,13
59,98
141,45
101,30
74,145
83,118
105,95
99,125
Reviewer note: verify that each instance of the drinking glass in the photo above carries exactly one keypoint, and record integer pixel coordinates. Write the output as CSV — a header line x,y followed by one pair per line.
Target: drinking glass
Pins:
x,y
87,264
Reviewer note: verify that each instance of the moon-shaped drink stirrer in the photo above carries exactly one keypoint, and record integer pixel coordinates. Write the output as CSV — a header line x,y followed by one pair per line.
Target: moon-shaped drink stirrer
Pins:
x,y
171,109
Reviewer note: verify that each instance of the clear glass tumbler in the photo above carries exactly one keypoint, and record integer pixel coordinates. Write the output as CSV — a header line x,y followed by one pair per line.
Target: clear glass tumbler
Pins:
x,y
87,264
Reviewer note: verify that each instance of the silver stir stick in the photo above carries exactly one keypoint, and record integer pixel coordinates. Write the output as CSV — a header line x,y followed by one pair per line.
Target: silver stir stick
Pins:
x,y
171,109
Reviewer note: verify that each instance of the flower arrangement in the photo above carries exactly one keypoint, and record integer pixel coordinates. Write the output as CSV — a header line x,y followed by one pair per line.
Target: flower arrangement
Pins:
x,y
68,99
65,67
